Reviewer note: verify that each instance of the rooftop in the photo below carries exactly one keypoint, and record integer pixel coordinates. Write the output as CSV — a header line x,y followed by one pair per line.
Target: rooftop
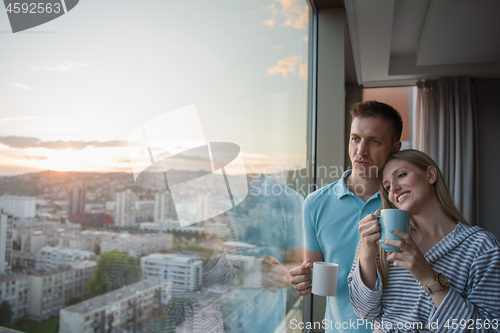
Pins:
x,y
12,277
84,264
114,296
179,258
47,272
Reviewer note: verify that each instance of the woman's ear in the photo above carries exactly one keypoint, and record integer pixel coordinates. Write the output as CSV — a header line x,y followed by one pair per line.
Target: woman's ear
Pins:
x,y
431,174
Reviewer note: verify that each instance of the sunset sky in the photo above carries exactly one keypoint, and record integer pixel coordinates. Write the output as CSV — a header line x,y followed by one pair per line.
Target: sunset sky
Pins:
x,y
72,90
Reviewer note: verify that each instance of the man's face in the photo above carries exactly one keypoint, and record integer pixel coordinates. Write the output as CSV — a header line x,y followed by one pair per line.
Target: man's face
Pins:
x,y
369,146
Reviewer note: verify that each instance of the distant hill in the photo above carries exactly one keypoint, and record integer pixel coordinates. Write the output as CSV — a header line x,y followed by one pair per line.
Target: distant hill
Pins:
x,y
101,187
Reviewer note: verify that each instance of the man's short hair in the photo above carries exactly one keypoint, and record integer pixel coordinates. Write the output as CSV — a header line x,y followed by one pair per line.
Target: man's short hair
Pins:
x,y
382,111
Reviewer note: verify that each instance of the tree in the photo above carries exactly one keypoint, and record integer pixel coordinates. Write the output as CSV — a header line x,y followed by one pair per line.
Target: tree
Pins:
x,y
114,270
178,310
5,313
74,300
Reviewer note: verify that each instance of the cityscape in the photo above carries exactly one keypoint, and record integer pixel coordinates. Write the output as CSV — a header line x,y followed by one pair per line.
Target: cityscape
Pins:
x,y
93,252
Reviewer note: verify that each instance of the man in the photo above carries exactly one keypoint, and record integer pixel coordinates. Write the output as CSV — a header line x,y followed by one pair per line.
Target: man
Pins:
x,y
332,213
270,219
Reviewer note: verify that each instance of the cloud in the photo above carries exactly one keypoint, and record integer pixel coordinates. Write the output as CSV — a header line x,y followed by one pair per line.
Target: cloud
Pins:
x,y
277,47
296,14
22,86
270,23
285,66
299,22
22,118
26,118
27,142
305,38
65,67
39,158
303,71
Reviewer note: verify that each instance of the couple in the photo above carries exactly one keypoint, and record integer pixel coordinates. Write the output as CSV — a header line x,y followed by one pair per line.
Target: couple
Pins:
x,y
448,276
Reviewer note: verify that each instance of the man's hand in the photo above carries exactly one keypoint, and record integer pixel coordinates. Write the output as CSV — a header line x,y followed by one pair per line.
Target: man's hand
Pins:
x,y
301,278
276,275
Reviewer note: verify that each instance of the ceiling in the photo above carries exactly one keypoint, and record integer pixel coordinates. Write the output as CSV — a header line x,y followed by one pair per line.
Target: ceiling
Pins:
x,y
396,42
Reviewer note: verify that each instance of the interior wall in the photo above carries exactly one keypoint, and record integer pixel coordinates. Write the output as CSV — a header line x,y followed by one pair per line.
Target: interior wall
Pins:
x,y
487,93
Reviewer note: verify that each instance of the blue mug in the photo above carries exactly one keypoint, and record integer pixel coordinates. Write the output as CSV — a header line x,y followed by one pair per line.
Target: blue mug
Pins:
x,y
396,219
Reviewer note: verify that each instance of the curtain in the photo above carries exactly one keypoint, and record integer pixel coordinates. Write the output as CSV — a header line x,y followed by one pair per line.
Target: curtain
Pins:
x,y
445,129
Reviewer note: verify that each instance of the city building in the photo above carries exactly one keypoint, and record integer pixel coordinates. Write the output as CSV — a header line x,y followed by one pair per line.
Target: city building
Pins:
x,y
53,257
164,208
207,227
77,199
14,289
144,210
18,207
138,245
32,236
122,310
5,242
185,272
92,219
125,208
51,290
86,240
110,209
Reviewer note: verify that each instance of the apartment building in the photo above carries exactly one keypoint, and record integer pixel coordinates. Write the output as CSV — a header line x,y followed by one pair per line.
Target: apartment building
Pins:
x,y
52,257
125,208
86,240
14,289
5,242
51,290
77,200
138,245
164,207
144,210
122,310
185,272
18,207
207,227
32,236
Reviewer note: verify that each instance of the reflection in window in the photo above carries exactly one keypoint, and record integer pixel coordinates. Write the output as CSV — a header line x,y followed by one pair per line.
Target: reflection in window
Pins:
x,y
201,238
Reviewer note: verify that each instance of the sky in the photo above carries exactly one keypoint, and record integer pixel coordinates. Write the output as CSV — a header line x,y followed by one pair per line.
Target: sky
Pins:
x,y
74,89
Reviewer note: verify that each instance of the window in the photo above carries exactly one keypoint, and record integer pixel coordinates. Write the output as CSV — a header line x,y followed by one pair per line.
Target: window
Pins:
x,y
244,67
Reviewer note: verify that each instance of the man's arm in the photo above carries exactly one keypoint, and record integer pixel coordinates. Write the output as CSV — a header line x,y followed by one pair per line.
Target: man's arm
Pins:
x,y
277,274
300,277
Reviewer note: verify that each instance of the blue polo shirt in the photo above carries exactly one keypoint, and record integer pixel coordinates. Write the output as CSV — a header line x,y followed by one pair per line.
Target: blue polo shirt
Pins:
x,y
331,216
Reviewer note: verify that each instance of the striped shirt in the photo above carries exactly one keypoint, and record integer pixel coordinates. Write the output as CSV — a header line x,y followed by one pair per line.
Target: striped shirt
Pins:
x,y
470,259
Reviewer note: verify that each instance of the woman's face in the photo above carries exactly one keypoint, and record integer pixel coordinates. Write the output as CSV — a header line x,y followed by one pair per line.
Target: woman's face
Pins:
x,y
409,187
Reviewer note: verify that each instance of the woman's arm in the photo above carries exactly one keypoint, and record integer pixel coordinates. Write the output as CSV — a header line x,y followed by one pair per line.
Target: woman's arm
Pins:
x,y
455,313
366,302
365,286
479,311
369,232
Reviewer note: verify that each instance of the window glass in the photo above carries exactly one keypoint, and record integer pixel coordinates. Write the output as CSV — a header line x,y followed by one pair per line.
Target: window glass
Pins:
x,y
163,145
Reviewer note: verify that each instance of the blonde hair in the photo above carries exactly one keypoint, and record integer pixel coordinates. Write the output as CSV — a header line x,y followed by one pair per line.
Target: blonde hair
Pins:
x,y
423,162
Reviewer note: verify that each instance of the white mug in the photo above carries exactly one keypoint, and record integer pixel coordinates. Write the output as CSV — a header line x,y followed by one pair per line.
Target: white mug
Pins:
x,y
324,278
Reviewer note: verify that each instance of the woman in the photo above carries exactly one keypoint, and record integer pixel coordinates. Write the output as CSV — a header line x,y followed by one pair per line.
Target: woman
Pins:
x,y
454,287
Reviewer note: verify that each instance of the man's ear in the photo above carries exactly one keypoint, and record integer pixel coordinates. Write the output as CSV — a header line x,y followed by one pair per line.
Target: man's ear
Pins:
x,y
431,174
396,146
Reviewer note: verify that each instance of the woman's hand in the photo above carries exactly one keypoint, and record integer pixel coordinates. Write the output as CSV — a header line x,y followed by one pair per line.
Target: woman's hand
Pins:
x,y
369,232
411,258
